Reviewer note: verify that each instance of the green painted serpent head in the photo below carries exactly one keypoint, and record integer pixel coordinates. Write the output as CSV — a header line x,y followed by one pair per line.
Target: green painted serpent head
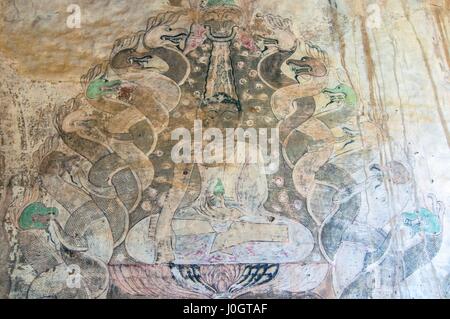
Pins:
x,y
36,216
101,87
422,220
341,92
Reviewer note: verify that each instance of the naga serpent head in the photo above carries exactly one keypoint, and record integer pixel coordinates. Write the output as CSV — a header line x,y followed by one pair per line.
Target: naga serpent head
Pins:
x,y
102,87
129,55
169,29
157,49
427,219
341,93
422,220
307,66
339,89
166,36
272,31
131,59
36,216
307,61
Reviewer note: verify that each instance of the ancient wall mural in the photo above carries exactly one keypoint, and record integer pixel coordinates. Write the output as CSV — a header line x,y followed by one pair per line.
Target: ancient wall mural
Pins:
x,y
224,149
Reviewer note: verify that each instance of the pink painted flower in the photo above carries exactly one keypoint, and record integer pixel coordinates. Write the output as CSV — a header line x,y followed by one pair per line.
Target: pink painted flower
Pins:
x,y
248,42
196,39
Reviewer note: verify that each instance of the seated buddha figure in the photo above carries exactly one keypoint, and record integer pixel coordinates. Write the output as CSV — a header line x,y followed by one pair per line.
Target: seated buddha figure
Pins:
x,y
227,223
